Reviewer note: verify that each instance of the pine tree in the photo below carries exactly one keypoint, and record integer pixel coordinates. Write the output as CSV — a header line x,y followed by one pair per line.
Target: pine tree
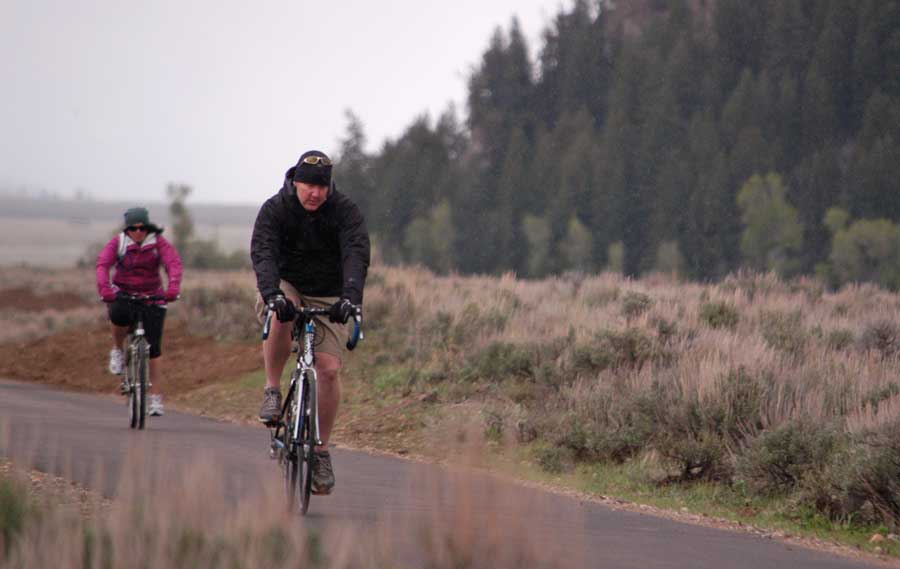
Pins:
x,y
353,172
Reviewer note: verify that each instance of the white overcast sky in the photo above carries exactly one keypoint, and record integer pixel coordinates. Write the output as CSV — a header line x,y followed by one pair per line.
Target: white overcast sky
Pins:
x,y
118,98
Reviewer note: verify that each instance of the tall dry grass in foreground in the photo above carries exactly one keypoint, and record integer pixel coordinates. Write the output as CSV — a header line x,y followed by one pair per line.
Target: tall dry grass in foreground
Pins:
x,y
168,517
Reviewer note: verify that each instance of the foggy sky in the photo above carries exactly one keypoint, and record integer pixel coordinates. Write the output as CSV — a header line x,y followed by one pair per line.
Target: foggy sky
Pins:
x,y
119,98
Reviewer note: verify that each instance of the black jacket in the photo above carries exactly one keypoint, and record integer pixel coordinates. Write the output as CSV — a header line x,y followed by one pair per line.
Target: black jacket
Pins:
x,y
321,253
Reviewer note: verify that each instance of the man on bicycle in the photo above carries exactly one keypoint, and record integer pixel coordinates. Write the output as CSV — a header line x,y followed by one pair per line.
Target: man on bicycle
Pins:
x,y
137,253
310,247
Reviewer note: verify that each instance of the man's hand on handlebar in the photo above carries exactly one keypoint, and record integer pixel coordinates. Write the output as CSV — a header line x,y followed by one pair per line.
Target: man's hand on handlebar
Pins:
x,y
341,311
284,309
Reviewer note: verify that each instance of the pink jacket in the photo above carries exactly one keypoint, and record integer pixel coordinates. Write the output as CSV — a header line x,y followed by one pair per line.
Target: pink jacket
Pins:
x,y
137,266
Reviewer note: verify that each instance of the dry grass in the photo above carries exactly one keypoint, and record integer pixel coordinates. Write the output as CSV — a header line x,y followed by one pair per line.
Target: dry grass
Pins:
x,y
167,516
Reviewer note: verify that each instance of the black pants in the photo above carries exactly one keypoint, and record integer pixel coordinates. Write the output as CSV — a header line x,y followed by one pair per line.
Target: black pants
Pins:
x,y
124,313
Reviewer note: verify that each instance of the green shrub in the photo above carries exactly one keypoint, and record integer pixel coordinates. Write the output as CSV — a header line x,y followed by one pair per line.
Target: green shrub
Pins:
x,y
665,330
779,459
699,456
226,313
882,336
840,339
697,434
783,331
554,459
612,349
473,322
14,510
863,481
635,303
393,379
437,331
601,297
206,254
377,314
500,360
877,396
494,424
719,315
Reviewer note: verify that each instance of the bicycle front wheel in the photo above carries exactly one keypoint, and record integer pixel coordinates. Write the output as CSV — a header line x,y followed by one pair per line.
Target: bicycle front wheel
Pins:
x,y
130,375
289,456
307,444
140,387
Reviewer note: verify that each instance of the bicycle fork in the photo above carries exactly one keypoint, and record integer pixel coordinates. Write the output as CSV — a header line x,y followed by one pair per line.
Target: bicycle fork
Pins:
x,y
298,418
311,412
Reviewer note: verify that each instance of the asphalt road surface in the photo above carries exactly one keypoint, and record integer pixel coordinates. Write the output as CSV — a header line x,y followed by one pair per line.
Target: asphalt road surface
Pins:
x,y
86,439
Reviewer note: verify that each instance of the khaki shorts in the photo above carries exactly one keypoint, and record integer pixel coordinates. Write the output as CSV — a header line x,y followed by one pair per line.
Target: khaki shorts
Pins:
x,y
331,337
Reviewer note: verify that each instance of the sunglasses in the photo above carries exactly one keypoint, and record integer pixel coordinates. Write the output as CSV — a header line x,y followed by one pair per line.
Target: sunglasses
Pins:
x,y
316,160
136,228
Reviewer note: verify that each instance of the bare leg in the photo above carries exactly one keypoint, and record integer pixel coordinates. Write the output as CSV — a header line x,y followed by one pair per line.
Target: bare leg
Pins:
x,y
155,375
327,371
119,333
276,350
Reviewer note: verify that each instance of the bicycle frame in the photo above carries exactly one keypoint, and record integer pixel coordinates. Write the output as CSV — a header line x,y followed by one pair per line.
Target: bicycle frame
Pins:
x,y
137,380
306,362
297,432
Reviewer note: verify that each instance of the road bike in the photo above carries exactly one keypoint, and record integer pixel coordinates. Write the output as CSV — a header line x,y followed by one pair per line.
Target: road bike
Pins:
x,y
136,382
295,434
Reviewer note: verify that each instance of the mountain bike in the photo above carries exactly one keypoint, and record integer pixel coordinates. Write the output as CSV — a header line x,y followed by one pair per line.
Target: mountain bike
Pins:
x,y
295,434
137,360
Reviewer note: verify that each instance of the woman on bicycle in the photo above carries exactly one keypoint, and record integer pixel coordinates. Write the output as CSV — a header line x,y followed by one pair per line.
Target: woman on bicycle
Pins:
x,y
137,254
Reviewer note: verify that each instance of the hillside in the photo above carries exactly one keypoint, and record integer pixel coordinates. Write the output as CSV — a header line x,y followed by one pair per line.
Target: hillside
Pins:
x,y
765,401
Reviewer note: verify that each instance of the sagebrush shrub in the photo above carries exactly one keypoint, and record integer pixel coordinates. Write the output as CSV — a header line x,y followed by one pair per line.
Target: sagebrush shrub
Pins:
x,y
863,481
226,313
783,331
698,435
719,315
15,509
635,303
840,339
501,360
778,460
881,394
882,336
554,459
473,322
613,349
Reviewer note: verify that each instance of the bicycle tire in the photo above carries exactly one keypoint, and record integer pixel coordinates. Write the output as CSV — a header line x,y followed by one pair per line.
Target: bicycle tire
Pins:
x,y
130,374
289,455
307,444
143,359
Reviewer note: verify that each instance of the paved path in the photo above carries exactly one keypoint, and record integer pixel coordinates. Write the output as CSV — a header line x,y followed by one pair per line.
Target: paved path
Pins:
x,y
86,438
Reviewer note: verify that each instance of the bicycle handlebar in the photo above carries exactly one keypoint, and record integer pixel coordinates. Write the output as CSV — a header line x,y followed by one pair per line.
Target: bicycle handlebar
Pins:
x,y
309,312
139,297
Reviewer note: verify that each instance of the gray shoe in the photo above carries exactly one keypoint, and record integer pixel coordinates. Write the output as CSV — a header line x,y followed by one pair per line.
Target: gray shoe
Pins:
x,y
155,407
322,473
116,361
271,405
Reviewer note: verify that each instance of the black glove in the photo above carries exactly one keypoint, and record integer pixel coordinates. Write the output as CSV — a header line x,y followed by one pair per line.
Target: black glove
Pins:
x,y
340,311
283,307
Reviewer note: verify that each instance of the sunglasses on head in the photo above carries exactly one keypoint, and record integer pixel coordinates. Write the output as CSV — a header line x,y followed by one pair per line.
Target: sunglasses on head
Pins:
x,y
316,160
136,228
